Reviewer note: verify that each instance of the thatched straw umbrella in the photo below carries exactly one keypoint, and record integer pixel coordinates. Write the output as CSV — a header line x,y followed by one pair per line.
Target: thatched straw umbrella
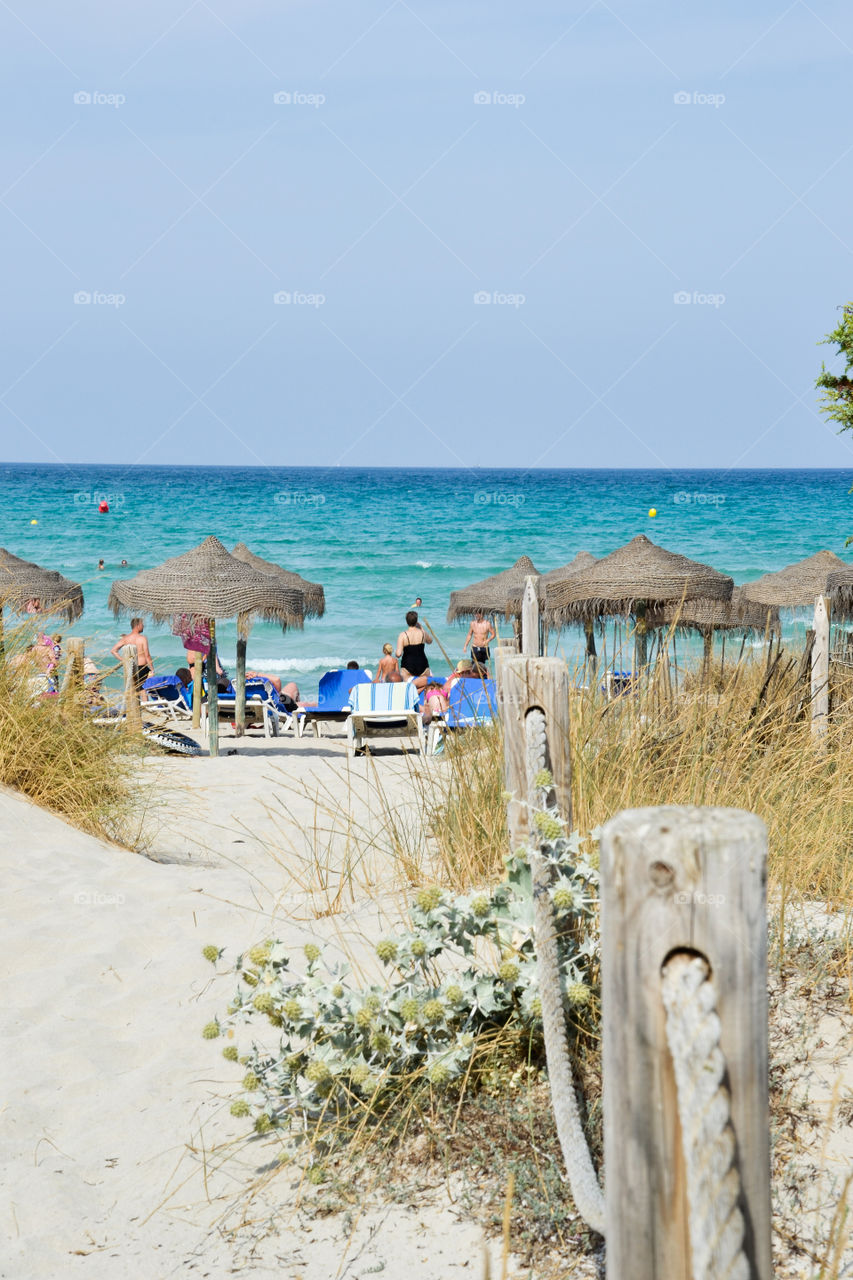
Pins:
x,y
839,588
707,616
22,581
209,584
629,581
582,560
492,595
798,584
315,597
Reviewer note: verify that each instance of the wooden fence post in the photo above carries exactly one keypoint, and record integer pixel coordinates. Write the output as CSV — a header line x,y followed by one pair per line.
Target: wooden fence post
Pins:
x,y
680,880
503,649
133,713
527,683
820,670
531,640
72,679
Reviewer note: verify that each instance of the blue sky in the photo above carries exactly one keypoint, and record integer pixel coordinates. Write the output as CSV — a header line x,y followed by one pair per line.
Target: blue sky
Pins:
x,y
619,156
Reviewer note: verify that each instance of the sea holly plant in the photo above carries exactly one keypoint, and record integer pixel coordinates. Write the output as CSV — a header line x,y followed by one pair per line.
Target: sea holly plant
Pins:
x,y
464,968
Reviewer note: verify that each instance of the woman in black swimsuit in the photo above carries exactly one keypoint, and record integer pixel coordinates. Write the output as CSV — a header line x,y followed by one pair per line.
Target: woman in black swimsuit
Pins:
x,y
410,650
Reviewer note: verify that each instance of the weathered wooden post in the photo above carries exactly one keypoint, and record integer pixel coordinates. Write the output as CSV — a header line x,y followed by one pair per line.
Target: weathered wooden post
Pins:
x,y
240,682
133,713
527,683
72,679
531,636
504,647
212,694
686,1127
820,670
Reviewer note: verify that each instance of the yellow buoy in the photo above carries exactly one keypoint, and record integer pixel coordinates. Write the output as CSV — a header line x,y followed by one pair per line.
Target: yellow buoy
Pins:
x,y
653,512
34,522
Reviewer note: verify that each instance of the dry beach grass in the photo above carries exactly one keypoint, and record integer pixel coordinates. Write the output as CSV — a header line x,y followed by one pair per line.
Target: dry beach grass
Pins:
x,y
293,840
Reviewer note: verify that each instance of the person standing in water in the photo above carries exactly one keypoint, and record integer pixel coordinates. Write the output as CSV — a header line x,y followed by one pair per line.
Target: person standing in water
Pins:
x,y
388,665
479,634
411,651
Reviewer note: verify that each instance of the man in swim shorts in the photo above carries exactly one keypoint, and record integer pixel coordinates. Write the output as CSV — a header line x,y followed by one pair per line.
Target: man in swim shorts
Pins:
x,y
479,634
136,638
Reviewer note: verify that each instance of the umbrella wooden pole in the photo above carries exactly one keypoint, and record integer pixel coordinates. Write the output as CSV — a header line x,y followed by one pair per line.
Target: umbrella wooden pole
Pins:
x,y
197,689
641,638
212,694
707,655
240,682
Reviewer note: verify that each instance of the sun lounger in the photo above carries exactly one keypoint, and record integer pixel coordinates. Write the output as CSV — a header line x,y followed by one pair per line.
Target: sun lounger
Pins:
x,y
334,698
384,711
617,683
261,700
168,694
472,703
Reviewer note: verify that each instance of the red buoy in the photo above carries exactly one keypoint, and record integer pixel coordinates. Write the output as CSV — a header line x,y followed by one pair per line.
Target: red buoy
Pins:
x,y
103,507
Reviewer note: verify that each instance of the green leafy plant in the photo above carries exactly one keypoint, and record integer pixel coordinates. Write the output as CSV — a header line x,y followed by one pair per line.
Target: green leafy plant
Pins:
x,y
465,968
837,389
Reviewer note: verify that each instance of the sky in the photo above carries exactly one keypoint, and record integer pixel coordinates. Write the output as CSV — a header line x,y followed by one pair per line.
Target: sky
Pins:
x,y
398,233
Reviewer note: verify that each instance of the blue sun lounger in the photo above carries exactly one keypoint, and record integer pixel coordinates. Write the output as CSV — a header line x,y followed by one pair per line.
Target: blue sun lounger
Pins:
x,y
167,693
334,698
472,703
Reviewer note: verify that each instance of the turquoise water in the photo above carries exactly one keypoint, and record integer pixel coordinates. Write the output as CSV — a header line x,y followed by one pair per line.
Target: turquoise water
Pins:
x,y
376,539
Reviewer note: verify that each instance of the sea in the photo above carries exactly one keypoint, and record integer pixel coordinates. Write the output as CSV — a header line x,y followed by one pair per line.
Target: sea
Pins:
x,y
378,538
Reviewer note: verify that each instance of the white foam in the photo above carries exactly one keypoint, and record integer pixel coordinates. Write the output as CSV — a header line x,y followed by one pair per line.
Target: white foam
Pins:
x,y
303,664
424,564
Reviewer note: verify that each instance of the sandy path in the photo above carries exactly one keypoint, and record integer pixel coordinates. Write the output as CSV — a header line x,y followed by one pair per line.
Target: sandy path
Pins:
x,y
105,1074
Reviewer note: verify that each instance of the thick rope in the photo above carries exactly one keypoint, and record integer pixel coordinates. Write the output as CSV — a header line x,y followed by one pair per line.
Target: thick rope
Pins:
x,y
586,1191
713,1183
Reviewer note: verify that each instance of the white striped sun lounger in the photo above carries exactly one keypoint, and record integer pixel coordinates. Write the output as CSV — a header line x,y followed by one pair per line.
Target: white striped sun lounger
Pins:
x,y
384,711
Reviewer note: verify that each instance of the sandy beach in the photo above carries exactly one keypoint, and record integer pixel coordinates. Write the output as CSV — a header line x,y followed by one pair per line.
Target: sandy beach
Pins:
x,y
116,1133
120,1155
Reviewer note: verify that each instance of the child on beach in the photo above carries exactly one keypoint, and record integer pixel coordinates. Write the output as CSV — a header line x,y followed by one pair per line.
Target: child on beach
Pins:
x,y
388,665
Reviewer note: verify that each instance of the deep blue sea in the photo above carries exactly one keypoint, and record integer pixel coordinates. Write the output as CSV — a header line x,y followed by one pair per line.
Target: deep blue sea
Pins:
x,y
378,538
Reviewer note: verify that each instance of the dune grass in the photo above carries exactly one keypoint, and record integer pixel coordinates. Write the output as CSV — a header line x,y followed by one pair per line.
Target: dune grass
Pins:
x,y
744,742
51,752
